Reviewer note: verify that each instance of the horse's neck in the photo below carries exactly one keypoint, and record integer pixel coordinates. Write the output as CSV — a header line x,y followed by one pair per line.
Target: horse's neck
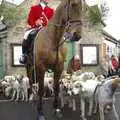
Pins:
x,y
54,27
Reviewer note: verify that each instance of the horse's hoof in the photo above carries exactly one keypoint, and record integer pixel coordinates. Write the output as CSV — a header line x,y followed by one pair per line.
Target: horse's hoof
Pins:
x,y
58,113
83,118
41,117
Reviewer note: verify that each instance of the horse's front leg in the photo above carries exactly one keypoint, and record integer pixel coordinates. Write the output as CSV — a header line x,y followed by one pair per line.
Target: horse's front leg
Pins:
x,y
29,70
40,71
56,105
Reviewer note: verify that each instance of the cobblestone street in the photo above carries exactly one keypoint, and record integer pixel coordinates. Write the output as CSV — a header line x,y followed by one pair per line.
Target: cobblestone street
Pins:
x,y
27,111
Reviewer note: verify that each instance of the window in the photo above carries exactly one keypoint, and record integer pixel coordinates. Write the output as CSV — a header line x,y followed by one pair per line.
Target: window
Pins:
x,y
16,53
89,54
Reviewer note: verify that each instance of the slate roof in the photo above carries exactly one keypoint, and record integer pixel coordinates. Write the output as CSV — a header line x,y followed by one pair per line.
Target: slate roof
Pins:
x,y
3,30
109,37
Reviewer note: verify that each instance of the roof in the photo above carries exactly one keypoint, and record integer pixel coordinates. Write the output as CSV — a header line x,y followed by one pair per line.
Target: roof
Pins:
x,y
3,30
109,37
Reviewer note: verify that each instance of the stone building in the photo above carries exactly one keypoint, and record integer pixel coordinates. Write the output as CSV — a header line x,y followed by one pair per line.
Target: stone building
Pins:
x,y
92,38
88,48
14,39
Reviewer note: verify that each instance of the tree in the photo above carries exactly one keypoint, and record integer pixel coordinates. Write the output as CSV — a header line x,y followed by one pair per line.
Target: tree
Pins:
x,y
10,13
104,10
96,14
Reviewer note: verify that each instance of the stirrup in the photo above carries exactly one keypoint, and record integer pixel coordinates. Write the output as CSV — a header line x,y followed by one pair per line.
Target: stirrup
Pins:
x,y
23,59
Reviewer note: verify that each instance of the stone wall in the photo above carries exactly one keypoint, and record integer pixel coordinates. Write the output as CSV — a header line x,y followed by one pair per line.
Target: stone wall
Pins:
x,y
90,35
15,36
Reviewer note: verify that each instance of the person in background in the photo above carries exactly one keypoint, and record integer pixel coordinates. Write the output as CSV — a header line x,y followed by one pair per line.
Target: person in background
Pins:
x,y
37,19
73,65
105,66
115,64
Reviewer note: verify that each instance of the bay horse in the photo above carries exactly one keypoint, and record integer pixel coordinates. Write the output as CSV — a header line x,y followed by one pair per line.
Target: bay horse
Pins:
x,y
49,48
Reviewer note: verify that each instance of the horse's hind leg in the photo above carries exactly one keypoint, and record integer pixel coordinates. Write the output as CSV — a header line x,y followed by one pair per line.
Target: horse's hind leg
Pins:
x,y
57,75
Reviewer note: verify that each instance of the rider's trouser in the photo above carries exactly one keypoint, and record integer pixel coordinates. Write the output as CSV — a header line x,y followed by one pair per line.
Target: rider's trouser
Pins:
x,y
26,41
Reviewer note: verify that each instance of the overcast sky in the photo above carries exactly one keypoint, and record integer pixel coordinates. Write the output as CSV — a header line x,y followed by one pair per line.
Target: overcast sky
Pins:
x,y
15,1
113,19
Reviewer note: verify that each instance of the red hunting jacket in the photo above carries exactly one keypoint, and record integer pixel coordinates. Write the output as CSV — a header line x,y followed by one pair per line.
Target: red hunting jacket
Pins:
x,y
36,12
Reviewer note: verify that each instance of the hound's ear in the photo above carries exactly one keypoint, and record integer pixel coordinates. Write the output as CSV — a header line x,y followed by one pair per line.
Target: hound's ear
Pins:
x,y
116,81
80,85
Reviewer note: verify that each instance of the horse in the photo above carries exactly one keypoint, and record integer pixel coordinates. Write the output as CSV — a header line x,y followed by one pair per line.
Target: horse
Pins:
x,y
49,50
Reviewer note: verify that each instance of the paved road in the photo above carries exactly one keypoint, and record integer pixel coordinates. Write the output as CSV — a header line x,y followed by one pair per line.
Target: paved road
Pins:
x,y
25,111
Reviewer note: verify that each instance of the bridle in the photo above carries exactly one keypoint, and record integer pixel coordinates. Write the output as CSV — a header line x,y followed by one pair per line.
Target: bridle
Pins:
x,y
68,21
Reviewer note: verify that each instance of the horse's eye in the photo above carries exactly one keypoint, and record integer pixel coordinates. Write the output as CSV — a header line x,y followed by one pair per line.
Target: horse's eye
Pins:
x,y
63,22
74,5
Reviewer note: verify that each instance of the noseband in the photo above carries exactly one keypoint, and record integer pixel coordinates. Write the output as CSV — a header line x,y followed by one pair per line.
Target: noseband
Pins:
x,y
68,22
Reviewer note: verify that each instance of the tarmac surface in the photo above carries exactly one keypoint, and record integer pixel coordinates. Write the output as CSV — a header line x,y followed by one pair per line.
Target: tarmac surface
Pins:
x,y
27,111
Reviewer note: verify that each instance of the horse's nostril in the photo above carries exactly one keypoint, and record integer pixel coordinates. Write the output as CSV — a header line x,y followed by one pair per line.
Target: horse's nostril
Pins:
x,y
75,37
76,34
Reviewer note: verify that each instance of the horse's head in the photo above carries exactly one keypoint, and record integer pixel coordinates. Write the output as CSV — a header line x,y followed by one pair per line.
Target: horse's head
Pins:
x,y
71,18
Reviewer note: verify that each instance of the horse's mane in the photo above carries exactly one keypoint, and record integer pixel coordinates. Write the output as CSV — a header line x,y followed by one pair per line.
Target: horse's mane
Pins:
x,y
54,26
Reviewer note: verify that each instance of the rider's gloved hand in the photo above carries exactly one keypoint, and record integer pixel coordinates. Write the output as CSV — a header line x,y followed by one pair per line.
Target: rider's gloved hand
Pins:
x,y
38,23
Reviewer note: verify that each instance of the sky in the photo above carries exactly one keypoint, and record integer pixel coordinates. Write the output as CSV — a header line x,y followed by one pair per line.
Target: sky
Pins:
x,y
15,1
113,18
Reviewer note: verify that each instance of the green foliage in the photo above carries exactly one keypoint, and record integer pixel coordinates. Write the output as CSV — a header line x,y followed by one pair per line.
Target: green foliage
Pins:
x,y
94,14
11,14
104,10
97,15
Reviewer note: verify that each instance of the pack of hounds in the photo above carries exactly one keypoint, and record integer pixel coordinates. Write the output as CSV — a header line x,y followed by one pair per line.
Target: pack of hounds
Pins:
x,y
97,90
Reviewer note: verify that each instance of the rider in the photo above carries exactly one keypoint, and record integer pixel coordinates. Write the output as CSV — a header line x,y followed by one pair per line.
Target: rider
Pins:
x,y
38,17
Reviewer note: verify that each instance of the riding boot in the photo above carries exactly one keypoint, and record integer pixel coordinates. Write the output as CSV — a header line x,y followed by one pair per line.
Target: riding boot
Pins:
x,y
23,58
